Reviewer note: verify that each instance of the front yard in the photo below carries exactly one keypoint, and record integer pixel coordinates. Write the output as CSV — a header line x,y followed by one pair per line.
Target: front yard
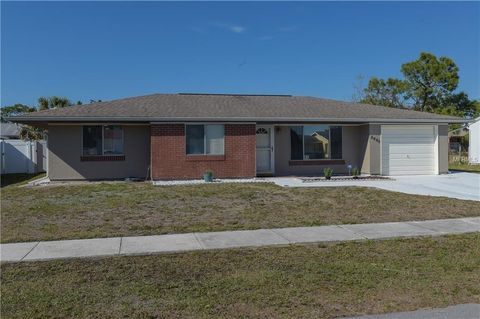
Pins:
x,y
122,209
315,281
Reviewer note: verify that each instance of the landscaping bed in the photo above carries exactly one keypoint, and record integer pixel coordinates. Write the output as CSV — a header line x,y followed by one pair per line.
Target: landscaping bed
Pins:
x,y
129,209
314,281
346,178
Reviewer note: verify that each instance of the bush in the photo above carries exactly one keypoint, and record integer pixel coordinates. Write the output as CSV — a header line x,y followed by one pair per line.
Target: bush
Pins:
x,y
355,172
208,176
328,172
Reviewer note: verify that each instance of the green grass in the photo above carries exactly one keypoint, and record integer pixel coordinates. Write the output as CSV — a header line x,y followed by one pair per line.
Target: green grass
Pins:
x,y
316,281
465,168
123,209
18,179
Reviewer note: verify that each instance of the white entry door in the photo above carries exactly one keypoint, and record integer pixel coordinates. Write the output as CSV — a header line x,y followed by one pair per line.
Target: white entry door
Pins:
x,y
264,150
409,150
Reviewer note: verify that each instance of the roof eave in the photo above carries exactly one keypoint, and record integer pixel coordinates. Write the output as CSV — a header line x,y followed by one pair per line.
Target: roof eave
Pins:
x,y
38,119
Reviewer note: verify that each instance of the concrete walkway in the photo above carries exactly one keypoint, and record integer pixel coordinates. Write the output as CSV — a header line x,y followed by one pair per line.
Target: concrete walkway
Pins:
x,y
466,311
454,185
143,245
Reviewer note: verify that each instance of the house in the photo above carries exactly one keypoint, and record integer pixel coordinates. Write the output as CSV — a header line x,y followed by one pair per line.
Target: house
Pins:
x,y
9,131
179,136
474,142
458,140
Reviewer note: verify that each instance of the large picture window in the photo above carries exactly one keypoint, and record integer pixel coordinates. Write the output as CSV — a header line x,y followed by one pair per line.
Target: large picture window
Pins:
x,y
102,140
205,139
315,142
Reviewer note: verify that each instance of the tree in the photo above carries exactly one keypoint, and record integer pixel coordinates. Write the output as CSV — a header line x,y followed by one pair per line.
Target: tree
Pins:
x,y
430,81
28,132
429,85
390,92
53,102
358,89
15,109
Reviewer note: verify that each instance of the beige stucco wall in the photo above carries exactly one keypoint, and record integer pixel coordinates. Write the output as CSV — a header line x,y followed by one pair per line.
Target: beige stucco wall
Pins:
x,y
352,151
443,149
374,141
65,143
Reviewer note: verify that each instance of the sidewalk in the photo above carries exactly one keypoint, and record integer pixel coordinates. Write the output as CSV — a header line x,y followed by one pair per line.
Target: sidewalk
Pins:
x,y
465,311
143,245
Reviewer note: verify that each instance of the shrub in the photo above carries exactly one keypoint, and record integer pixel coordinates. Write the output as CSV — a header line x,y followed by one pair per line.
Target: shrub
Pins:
x,y
208,175
356,172
328,172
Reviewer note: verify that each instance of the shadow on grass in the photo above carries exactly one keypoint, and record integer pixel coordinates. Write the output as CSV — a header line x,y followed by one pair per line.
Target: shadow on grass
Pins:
x,y
18,178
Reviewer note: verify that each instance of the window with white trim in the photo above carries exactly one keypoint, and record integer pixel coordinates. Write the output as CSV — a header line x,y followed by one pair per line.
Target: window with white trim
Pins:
x,y
315,142
205,139
102,140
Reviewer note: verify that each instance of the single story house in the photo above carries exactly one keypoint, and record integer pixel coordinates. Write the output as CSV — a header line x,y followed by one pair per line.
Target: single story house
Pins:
x,y
179,136
474,142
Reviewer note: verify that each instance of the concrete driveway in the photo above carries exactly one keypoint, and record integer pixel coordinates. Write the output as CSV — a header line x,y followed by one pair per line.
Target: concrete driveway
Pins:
x,y
453,185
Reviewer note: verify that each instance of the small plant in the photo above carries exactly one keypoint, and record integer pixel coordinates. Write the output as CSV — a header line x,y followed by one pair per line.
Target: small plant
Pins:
x,y
356,172
208,176
328,172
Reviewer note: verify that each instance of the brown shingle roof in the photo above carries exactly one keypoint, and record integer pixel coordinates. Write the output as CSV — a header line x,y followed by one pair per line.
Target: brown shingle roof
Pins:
x,y
224,107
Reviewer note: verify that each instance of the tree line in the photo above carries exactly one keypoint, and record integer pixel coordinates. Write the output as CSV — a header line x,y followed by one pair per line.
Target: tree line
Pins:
x,y
429,84
44,103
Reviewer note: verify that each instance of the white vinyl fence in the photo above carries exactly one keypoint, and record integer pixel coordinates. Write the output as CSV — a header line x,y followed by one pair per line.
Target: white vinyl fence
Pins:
x,y
20,156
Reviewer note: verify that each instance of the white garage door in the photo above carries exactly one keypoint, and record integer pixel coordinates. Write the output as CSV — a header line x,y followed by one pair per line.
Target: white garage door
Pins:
x,y
409,150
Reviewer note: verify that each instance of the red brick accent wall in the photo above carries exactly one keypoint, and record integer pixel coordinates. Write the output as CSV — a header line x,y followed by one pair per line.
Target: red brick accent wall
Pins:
x,y
169,159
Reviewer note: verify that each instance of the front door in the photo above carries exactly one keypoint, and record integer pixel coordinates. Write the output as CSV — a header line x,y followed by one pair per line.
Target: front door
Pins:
x,y
264,150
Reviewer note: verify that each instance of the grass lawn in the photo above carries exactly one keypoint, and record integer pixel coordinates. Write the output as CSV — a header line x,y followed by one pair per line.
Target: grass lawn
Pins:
x,y
118,209
465,168
315,281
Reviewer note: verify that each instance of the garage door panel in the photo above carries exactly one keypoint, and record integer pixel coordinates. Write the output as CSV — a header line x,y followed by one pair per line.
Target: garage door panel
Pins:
x,y
408,150
401,157
405,149
411,130
410,160
409,153
409,140
417,169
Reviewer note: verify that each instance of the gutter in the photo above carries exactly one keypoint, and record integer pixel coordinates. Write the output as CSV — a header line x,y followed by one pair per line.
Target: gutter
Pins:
x,y
37,119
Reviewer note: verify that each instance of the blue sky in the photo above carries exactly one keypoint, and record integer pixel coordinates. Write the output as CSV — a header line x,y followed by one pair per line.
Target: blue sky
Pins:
x,y
108,50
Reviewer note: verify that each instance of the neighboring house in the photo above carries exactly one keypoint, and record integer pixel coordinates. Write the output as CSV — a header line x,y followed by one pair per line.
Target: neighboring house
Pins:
x,y
9,131
457,140
179,136
474,142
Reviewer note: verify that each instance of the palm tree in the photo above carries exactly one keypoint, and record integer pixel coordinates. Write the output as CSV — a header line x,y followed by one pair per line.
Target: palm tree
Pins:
x,y
52,102
28,132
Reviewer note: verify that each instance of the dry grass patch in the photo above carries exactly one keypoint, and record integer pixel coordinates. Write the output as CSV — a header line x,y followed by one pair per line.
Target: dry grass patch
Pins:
x,y
316,281
122,209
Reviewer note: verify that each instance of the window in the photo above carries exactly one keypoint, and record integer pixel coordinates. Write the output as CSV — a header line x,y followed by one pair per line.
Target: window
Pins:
x,y
315,142
336,142
102,140
296,142
205,139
